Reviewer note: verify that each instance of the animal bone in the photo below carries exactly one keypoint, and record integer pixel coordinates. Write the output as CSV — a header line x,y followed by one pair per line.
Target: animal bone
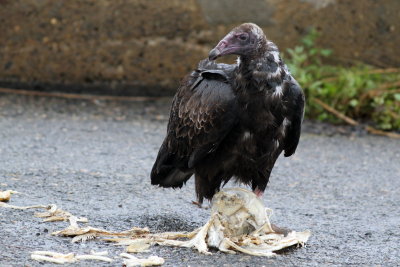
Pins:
x,y
86,233
134,261
54,214
239,223
61,258
6,195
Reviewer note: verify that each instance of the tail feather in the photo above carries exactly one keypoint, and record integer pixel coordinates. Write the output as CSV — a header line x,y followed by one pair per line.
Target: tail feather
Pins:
x,y
166,173
170,177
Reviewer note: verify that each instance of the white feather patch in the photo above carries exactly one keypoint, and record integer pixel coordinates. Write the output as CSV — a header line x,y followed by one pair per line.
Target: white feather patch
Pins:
x,y
246,135
275,54
278,90
274,74
286,122
284,126
272,46
238,61
276,143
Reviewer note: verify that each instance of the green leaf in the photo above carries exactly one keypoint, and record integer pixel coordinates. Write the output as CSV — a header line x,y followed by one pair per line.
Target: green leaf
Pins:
x,y
313,51
299,49
308,42
326,52
353,102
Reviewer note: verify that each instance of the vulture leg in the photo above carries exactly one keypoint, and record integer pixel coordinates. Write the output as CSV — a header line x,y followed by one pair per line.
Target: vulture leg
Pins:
x,y
206,188
200,184
259,193
260,183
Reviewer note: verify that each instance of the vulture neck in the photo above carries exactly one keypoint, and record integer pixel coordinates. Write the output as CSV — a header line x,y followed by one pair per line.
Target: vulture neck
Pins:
x,y
263,71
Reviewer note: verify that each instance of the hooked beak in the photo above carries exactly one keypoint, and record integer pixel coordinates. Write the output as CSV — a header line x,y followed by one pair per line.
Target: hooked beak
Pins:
x,y
223,48
214,54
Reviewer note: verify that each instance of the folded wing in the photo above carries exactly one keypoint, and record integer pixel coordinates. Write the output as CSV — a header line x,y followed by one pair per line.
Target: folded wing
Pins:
x,y
203,112
294,112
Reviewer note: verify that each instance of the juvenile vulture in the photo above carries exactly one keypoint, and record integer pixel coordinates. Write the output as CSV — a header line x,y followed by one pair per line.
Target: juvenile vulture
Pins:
x,y
231,120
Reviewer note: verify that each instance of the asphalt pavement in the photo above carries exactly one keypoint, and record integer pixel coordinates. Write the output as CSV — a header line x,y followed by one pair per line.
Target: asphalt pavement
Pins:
x,y
93,158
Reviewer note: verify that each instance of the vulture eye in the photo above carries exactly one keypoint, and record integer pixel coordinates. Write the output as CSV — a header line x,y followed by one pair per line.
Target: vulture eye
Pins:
x,y
243,37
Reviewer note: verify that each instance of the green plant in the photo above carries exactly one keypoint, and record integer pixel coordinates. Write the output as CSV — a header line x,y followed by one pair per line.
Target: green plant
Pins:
x,y
360,92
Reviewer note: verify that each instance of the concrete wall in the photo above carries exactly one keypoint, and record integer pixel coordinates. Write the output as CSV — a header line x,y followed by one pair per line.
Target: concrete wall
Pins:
x,y
144,47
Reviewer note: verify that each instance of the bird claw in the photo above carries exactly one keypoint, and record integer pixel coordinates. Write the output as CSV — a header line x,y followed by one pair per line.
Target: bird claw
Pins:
x,y
199,204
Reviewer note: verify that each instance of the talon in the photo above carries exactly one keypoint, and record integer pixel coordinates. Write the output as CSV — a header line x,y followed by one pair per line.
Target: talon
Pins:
x,y
198,204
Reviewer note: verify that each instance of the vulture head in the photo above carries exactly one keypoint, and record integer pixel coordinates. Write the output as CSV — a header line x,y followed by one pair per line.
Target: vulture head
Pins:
x,y
246,40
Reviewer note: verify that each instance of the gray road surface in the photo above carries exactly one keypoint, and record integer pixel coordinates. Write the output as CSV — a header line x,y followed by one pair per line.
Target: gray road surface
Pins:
x,y
93,158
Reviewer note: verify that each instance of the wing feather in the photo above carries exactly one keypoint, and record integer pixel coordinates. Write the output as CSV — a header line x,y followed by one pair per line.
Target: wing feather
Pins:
x,y
294,114
205,115
203,112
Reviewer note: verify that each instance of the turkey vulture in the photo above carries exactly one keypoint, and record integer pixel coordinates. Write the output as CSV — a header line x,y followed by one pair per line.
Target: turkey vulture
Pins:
x,y
231,120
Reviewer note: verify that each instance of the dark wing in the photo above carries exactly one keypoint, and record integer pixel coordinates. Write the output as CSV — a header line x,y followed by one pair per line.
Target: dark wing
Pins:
x,y
203,112
294,102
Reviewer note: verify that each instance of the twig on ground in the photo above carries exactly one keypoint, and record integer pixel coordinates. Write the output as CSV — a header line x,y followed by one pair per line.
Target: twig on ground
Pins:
x,y
384,88
381,71
335,112
352,122
380,132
